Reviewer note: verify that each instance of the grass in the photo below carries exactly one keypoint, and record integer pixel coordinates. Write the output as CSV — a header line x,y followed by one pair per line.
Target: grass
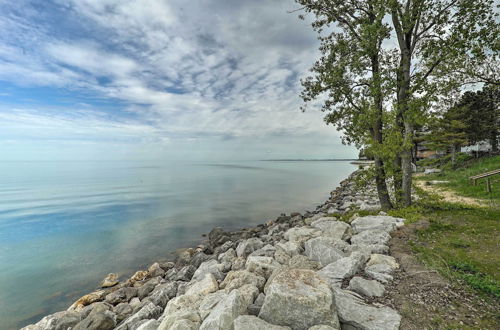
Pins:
x,y
459,177
462,242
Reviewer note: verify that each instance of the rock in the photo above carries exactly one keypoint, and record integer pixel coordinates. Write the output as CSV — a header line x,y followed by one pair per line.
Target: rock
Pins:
x,y
88,299
266,251
353,311
186,273
163,293
380,267
369,237
432,170
97,320
338,230
236,279
110,280
140,275
149,311
209,302
184,256
335,272
218,236
226,311
298,298
301,234
209,267
199,258
122,311
248,322
184,319
263,266
381,259
167,265
207,285
121,295
145,289
368,288
303,262
376,222
155,270
149,325
249,293
281,257
134,302
67,320
290,248
238,263
322,249
367,249
96,307
248,246
313,218
227,256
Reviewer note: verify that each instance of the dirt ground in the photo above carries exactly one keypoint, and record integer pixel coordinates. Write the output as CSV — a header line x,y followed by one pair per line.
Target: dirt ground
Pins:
x,y
449,195
426,300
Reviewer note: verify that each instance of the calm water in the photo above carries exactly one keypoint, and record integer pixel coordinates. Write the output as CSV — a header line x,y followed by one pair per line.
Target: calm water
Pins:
x,y
65,225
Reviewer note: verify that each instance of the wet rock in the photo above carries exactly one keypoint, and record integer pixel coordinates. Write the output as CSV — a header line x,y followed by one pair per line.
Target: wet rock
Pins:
x,y
298,298
248,246
140,275
167,265
155,270
218,236
110,280
353,311
147,287
322,249
236,279
249,322
365,287
226,311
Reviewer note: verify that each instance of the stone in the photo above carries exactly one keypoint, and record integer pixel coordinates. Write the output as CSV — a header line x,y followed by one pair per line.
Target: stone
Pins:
x,y
322,327
290,248
322,249
365,287
249,322
88,299
155,270
145,289
218,236
149,325
182,319
377,259
281,257
186,273
298,298
209,302
199,258
367,249
97,320
303,262
266,251
432,170
67,320
121,295
368,237
338,230
209,267
380,267
207,285
249,293
236,279
376,222
301,234
227,256
226,311
110,280
353,311
313,218
337,271
149,311
122,311
163,293
238,263
138,276
263,266
248,246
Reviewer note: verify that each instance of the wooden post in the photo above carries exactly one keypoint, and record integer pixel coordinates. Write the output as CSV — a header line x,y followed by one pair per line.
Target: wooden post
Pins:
x,y
488,185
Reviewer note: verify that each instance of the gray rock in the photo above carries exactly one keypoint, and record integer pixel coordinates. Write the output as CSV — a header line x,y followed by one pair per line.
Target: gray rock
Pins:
x,y
209,267
68,320
281,257
301,234
335,272
298,298
150,311
266,251
248,246
322,327
207,285
97,320
263,266
380,267
236,279
238,263
322,249
367,288
122,311
227,256
367,249
155,270
180,320
290,248
376,222
303,262
369,237
186,273
121,295
226,311
199,258
218,236
146,288
209,302
248,322
149,325
163,293
353,311
338,230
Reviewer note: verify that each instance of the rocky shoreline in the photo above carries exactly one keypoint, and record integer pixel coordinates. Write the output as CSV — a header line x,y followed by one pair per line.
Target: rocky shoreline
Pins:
x,y
300,271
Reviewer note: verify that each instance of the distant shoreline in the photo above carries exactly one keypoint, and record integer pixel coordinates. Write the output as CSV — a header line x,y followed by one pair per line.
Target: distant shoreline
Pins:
x,y
309,160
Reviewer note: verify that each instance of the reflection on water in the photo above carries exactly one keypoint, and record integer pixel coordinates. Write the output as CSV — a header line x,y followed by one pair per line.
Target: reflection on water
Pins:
x,y
64,226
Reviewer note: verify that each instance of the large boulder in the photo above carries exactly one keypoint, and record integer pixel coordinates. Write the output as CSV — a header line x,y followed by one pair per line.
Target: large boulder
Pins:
x,y
323,250
369,237
335,272
334,229
301,234
376,222
298,298
302,262
149,311
290,248
209,302
250,322
207,285
354,312
163,293
100,318
226,311
369,288
238,278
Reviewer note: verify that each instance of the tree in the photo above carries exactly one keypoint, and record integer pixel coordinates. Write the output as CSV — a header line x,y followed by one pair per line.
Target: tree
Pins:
x,y
447,133
349,74
439,44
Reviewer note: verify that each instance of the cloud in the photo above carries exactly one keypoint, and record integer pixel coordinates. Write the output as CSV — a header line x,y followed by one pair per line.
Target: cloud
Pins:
x,y
197,69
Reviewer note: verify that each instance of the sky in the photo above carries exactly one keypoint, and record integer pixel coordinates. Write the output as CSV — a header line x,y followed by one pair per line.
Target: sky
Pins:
x,y
158,80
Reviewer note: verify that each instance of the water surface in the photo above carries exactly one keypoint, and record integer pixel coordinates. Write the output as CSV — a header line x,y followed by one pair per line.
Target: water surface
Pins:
x,y
65,225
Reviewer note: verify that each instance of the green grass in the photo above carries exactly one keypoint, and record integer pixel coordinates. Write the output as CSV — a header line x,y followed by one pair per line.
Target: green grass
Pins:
x,y
459,178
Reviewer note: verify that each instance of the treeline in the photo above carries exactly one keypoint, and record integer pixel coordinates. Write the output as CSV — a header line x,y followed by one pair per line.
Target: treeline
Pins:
x,y
387,66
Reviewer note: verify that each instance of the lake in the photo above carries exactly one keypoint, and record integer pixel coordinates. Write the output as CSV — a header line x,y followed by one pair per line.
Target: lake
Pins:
x,y
65,225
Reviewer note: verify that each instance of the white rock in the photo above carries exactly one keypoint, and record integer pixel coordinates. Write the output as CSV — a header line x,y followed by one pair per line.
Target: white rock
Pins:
x,y
322,249
263,266
335,272
369,237
226,311
250,322
209,267
207,285
209,302
291,248
301,234
376,222
335,229
236,279
149,325
248,246
365,287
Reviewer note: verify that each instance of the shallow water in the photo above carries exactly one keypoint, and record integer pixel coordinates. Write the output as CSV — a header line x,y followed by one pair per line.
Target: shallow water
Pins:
x,y
65,225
